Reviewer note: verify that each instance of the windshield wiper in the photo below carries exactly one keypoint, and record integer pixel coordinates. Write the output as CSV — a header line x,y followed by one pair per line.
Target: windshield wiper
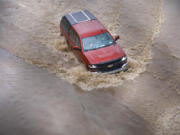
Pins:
x,y
99,47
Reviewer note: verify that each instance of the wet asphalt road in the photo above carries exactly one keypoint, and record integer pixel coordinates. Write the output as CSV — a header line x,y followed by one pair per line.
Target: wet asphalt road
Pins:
x,y
34,101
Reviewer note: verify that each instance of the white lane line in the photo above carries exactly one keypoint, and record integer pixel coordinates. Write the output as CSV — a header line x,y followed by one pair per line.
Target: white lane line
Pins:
x,y
22,5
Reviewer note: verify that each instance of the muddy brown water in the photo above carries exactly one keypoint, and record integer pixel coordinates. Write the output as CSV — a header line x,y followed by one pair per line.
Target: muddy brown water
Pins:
x,y
58,96
36,26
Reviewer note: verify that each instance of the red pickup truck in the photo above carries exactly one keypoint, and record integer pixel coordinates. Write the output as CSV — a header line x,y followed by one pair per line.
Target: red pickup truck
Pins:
x,y
92,43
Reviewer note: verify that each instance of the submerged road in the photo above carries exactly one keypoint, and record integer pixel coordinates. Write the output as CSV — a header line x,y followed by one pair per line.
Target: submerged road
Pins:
x,y
33,101
143,101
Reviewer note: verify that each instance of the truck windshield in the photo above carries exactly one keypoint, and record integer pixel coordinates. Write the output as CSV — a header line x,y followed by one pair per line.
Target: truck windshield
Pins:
x,y
97,41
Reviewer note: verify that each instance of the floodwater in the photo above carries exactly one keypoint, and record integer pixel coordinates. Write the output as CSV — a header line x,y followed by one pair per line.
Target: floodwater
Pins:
x,y
56,95
36,25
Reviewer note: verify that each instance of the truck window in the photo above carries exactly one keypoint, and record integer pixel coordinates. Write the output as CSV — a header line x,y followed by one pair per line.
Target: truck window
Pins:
x,y
75,38
65,24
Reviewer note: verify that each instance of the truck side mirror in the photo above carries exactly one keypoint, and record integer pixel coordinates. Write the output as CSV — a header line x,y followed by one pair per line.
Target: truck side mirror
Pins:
x,y
116,37
76,48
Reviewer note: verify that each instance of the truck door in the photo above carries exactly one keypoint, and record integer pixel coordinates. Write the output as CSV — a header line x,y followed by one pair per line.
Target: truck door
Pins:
x,y
75,41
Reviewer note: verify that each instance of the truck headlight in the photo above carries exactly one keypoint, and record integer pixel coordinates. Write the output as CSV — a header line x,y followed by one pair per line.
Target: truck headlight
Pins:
x,y
124,58
92,66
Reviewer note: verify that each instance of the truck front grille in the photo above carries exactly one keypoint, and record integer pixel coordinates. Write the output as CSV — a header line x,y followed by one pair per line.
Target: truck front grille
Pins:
x,y
110,65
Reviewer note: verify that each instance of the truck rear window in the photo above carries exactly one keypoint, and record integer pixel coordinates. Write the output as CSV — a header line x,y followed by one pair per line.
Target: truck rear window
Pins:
x,y
66,26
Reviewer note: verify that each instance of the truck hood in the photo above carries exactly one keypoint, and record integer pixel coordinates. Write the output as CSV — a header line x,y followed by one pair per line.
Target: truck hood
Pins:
x,y
104,54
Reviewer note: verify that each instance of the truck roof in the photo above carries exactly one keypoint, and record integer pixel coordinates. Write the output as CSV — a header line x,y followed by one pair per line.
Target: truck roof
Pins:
x,y
80,16
89,28
85,23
